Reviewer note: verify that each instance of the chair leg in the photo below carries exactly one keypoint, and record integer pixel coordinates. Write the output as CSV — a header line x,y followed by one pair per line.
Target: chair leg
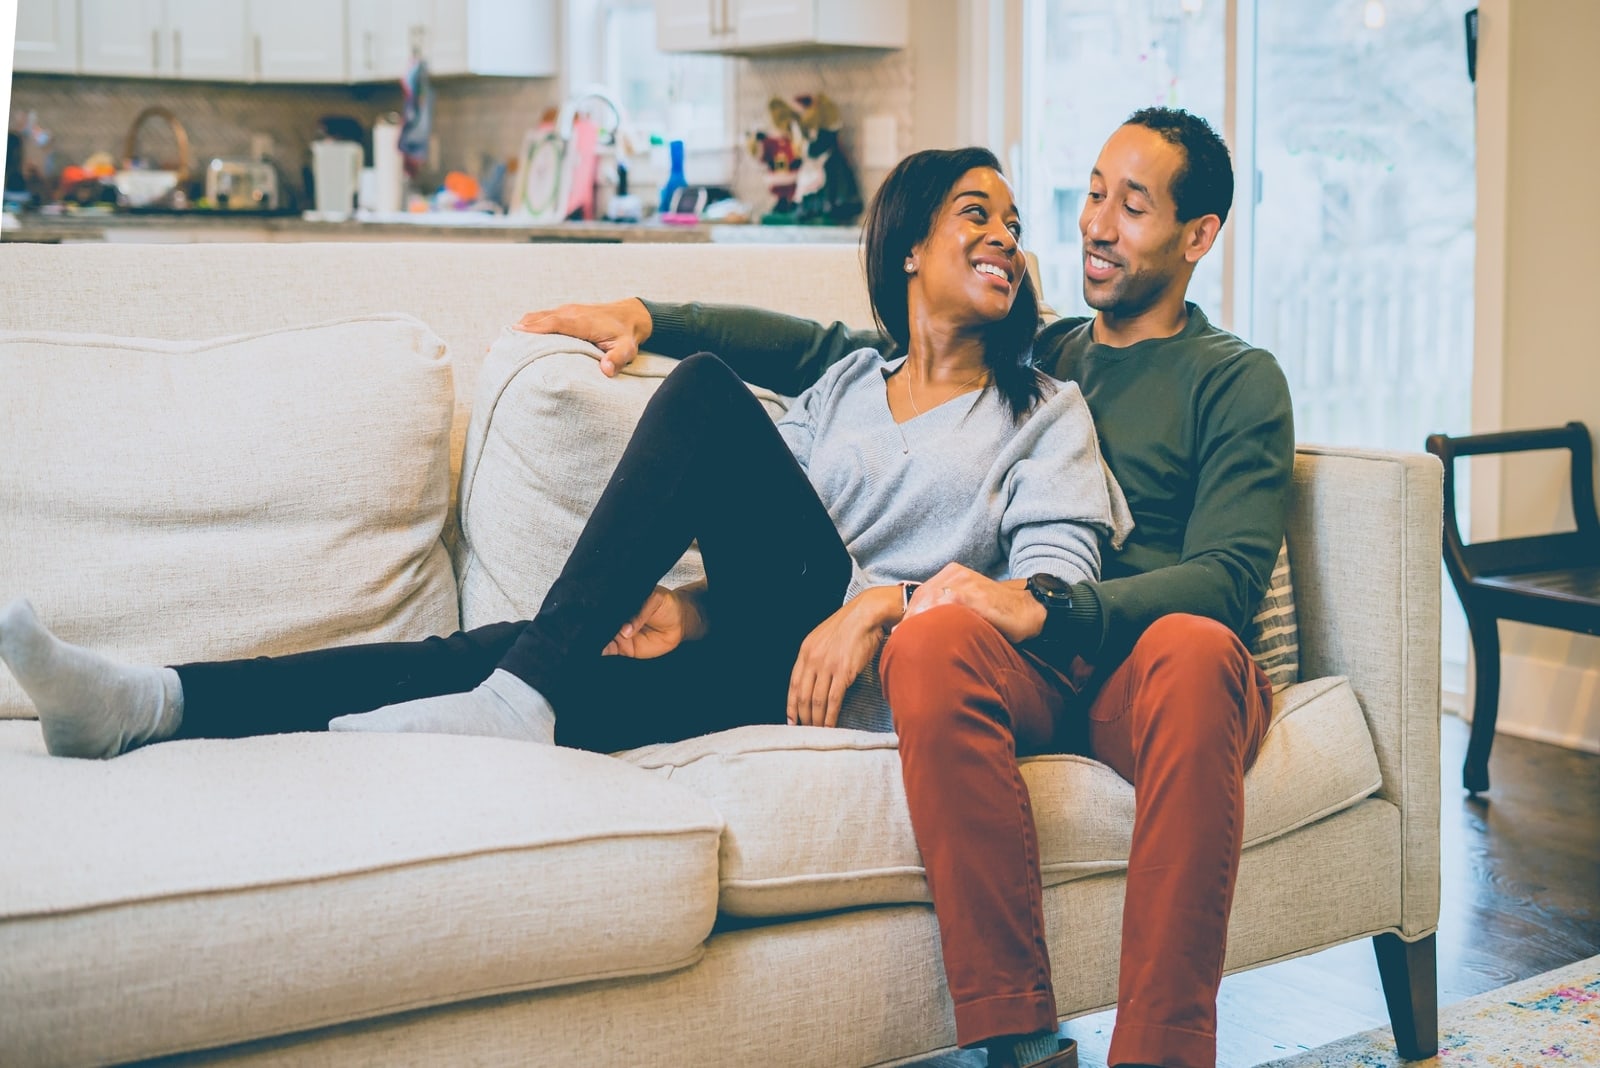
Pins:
x,y
1485,703
1410,985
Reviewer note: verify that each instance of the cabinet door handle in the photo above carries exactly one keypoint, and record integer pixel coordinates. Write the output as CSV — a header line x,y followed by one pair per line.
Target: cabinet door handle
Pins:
x,y
177,51
155,51
255,42
366,47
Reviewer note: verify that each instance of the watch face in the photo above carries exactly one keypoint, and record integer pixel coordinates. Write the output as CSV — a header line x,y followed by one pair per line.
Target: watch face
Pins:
x,y
1050,589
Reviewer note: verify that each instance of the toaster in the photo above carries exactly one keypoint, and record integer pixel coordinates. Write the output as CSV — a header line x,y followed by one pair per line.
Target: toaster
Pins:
x,y
242,185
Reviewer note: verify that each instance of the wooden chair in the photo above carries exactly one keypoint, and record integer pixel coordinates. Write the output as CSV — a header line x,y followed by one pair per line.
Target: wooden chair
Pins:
x,y
1552,580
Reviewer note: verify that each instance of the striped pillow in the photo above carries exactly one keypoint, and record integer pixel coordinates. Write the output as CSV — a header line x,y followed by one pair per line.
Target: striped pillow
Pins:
x,y
1273,636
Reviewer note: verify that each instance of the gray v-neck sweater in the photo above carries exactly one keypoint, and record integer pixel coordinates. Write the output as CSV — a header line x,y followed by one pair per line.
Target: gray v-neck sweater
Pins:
x,y
964,482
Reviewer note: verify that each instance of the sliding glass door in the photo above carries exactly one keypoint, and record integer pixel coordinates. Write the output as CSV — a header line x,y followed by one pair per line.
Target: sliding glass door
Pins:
x,y
1363,253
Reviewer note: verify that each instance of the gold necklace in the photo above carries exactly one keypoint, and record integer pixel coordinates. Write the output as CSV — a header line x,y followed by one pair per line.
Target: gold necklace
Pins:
x,y
912,395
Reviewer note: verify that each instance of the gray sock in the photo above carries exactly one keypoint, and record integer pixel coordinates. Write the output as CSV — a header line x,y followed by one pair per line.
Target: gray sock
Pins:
x,y
1028,1049
503,706
89,705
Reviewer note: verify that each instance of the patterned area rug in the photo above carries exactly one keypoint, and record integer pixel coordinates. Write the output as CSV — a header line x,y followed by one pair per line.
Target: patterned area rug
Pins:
x,y
1551,1019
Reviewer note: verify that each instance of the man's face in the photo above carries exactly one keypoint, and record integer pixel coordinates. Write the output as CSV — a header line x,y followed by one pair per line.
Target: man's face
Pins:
x,y
1134,247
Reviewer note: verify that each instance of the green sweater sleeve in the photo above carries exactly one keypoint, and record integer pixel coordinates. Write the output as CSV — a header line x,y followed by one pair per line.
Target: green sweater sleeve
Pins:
x,y
1244,461
779,352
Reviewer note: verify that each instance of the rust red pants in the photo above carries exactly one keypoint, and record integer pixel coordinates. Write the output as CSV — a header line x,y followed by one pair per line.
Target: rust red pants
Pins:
x,y
1181,718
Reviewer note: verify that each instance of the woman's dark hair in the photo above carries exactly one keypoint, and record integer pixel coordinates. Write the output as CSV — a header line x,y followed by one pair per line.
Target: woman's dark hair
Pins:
x,y
901,216
1204,182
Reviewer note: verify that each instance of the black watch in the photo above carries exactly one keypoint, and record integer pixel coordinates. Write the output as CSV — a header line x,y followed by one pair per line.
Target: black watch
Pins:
x,y
1056,596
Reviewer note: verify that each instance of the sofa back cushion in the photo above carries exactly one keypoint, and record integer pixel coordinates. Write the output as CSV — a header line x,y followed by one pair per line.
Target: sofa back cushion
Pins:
x,y
171,501
547,431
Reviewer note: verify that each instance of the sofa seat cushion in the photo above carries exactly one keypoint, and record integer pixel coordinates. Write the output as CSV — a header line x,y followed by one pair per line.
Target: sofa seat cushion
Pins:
x,y
778,786
170,501
204,892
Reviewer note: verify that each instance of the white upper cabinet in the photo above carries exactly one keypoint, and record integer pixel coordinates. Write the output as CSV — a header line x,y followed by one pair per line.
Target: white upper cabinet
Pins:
x,y
123,37
208,39
752,26
198,39
504,37
383,34
297,41
322,41
47,37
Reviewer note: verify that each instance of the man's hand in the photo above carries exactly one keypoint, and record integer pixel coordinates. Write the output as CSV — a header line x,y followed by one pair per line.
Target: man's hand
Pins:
x,y
1007,606
668,619
838,650
616,329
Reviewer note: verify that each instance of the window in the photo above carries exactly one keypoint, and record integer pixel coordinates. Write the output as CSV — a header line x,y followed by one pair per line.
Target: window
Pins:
x,y
611,48
1091,64
666,95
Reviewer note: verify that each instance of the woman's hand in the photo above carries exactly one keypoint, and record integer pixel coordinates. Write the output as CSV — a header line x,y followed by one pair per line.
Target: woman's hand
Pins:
x,y
838,650
617,329
668,619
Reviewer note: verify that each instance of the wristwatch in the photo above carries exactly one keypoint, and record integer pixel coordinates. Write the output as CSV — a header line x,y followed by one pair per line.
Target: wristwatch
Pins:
x,y
1056,596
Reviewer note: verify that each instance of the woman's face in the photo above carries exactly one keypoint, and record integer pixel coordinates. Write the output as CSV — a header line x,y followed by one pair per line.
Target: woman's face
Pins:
x,y
970,266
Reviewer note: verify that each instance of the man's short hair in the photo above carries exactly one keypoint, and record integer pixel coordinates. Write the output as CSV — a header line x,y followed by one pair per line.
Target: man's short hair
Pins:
x,y
1204,182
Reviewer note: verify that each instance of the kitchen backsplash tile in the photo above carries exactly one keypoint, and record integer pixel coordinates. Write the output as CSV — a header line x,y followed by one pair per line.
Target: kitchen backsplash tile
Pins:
x,y
85,115
864,84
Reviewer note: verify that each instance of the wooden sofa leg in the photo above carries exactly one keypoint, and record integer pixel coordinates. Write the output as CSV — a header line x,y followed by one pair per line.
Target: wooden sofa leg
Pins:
x,y
1411,987
1485,703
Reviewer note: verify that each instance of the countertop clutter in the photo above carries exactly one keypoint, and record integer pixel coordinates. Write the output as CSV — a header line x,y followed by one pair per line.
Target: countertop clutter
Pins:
x,y
190,227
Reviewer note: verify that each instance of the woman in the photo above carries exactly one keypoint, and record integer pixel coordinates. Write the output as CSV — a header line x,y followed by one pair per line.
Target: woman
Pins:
x,y
878,476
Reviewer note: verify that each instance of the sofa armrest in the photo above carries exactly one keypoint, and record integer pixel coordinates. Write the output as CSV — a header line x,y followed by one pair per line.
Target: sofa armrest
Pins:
x,y
1365,544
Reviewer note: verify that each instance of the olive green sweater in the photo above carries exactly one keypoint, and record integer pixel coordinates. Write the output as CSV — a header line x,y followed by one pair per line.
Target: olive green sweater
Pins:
x,y
1196,427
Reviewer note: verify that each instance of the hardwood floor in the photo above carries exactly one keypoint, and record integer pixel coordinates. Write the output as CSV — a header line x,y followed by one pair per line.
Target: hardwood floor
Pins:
x,y
1520,895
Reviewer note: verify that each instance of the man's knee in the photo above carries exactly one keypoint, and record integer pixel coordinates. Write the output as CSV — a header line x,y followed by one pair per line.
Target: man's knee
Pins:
x,y
937,637
926,653
1192,644
1199,660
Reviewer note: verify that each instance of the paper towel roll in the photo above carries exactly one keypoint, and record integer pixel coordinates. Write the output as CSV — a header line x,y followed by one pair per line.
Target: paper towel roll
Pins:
x,y
388,166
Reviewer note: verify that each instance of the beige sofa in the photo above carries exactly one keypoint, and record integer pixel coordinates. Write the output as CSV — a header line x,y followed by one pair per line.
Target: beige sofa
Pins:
x,y
753,897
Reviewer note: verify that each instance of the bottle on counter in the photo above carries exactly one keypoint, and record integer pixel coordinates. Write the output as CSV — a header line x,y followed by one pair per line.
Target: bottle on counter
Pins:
x,y
675,180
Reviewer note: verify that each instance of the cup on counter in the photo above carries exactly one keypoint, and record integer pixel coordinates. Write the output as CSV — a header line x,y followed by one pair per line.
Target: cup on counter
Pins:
x,y
367,190
336,167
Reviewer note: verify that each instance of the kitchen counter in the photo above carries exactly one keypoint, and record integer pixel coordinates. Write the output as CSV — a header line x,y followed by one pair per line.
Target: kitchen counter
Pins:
x,y
435,226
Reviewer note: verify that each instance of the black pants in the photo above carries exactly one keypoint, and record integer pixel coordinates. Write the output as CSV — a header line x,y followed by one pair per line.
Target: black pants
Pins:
x,y
706,464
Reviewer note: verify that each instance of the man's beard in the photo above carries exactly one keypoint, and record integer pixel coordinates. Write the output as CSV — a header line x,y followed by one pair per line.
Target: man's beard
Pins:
x,y
1129,296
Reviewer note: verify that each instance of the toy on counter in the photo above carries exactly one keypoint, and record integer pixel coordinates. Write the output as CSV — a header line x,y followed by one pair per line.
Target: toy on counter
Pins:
x,y
806,171
779,151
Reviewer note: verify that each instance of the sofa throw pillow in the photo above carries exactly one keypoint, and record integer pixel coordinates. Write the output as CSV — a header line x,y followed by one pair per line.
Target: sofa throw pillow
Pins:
x,y
170,501
547,430
1273,635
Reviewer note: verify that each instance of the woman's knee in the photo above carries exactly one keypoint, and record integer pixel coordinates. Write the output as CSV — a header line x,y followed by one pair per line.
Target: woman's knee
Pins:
x,y
699,368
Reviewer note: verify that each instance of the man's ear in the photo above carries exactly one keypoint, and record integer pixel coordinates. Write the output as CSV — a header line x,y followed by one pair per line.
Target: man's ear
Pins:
x,y
1199,235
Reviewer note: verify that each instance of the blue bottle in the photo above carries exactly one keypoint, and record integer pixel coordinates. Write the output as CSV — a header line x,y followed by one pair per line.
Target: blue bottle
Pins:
x,y
675,180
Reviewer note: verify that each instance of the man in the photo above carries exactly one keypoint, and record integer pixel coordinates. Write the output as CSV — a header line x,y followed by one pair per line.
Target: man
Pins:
x,y
1143,670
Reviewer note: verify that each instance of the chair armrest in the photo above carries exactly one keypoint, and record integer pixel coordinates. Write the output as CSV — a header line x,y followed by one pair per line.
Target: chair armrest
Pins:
x,y
1365,547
